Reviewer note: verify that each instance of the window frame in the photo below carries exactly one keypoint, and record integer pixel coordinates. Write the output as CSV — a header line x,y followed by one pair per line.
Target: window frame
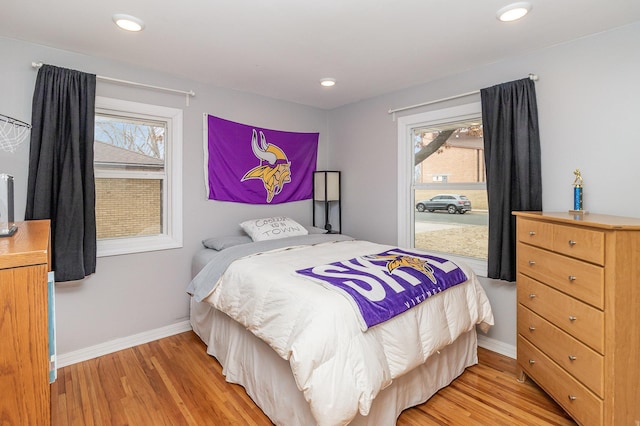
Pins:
x,y
171,237
406,194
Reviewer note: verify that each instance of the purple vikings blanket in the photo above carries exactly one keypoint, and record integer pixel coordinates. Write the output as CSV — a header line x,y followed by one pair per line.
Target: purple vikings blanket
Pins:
x,y
386,284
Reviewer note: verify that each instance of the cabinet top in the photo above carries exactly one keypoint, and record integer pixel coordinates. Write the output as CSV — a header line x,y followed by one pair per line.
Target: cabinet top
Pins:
x,y
28,246
594,220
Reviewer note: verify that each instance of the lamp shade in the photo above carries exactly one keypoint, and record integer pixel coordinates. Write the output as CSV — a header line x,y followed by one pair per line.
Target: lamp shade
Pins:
x,y
326,195
326,186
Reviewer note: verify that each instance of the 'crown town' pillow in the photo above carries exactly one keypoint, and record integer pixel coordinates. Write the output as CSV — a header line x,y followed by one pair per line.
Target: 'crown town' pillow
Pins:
x,y
272,228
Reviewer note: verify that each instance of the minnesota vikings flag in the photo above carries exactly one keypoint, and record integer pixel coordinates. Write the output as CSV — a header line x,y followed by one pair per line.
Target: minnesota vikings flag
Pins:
x,y
381,286
249,164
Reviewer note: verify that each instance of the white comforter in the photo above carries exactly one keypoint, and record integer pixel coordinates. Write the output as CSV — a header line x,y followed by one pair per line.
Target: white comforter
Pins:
x,y
339,368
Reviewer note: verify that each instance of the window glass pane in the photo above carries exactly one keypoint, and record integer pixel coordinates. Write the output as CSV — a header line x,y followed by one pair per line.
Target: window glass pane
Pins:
x,y
450,189
129,158
125,143
128,207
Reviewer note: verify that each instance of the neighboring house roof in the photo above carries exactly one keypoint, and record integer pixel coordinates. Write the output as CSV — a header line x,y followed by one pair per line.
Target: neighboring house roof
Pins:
x,y
107,154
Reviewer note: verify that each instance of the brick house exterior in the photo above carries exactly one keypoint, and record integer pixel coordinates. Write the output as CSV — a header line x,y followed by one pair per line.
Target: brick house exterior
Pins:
x,y
127,206
459,160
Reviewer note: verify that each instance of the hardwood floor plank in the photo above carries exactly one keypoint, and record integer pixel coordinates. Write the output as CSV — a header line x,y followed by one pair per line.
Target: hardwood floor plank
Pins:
x,y
507,393
173,381
59,407
443,411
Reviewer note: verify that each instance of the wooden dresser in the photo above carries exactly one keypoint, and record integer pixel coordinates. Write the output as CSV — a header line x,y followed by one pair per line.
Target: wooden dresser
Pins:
x,y
24,352
579,312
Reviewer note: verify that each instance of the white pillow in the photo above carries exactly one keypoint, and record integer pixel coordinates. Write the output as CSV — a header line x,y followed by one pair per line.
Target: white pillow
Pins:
x,y
272,228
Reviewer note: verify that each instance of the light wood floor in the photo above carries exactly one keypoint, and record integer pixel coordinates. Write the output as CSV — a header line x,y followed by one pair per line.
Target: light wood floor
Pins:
x,y
173,381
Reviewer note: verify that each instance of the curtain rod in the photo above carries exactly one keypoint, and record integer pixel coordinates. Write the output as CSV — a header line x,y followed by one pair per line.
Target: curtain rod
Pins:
x,y
189,93
533,77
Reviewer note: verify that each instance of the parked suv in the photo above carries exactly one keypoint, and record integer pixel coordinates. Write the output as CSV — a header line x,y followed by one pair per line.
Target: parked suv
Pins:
x,y
450,202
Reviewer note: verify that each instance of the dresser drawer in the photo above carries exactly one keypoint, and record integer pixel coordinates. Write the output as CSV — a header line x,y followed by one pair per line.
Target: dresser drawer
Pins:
x,y
536,233
581,321
574,277
581,243
577,359
575,398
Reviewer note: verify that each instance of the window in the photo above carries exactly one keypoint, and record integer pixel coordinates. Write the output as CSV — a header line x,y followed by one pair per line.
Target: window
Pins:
x,y
138,173
442,197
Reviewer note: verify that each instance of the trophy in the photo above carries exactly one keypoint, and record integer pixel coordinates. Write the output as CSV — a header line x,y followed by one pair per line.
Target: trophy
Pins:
x,y
578,190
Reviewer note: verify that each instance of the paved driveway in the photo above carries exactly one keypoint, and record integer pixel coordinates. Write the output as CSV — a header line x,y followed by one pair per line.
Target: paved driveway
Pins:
x,y
444,220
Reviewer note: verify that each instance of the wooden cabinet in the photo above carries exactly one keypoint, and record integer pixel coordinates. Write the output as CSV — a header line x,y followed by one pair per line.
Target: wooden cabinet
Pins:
x,y
24,355
579,312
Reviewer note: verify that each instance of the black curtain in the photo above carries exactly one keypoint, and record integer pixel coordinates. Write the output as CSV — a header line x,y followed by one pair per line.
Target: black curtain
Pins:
x,y
61,183
512,160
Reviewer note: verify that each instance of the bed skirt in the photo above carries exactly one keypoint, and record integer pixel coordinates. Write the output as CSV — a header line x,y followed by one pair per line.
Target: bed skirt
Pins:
x,y
248,361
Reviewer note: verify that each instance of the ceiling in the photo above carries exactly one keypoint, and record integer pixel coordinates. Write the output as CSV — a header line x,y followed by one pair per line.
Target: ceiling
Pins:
x,y
282,48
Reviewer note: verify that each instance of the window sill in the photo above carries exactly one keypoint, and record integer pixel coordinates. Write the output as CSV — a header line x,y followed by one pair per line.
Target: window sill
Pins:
x,y
120,246
479,266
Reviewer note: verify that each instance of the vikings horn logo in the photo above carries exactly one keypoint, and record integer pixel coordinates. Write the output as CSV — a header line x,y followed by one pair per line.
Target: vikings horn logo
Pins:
x,y
274,169
395,262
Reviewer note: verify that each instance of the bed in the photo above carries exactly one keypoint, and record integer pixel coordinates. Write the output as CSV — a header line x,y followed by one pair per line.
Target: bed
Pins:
x,y
304,353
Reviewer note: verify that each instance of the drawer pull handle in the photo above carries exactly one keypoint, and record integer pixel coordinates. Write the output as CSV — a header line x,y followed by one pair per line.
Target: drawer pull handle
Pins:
x,y
572,243
532,233
532,295
532,361
572,397
532,328
571,277
572,358
572,318
532,262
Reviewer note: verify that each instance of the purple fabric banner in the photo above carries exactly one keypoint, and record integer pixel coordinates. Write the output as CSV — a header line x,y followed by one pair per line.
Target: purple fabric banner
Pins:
x,y
249,164
386,284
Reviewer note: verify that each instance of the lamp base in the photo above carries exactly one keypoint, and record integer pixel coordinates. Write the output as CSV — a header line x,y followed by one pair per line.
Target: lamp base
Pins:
x,y
578,212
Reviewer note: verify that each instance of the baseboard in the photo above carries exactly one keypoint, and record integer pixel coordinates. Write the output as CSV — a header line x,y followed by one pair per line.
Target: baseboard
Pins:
x,y
497,346
123,343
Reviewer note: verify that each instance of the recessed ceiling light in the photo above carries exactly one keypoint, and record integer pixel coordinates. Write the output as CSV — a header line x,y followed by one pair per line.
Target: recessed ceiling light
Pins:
x,y
514,11
128,22
328,82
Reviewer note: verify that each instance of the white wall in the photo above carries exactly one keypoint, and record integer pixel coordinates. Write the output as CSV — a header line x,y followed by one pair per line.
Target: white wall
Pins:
x,y
132,294
588,102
